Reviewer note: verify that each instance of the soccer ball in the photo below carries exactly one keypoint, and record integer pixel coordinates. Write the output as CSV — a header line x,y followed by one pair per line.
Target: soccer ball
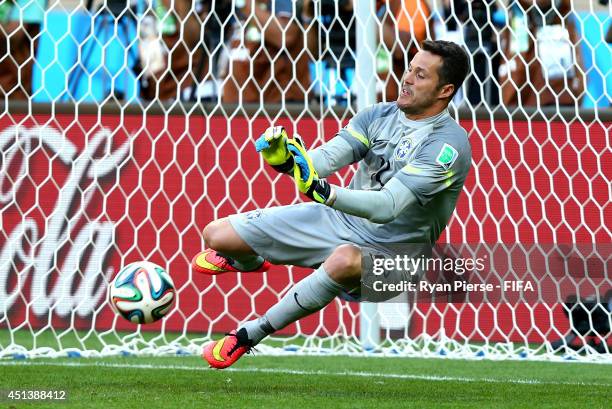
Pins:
x,y
142,292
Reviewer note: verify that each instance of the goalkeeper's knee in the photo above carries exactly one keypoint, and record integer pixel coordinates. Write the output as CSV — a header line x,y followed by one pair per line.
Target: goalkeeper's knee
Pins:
x,y
273,147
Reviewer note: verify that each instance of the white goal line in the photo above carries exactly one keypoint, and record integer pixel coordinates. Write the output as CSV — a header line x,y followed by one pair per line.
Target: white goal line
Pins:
x,y
437,378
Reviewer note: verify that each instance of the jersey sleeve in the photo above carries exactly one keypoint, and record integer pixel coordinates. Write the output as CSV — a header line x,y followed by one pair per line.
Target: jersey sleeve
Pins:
x,y
378,206
357,134
332,156
348,146
435,168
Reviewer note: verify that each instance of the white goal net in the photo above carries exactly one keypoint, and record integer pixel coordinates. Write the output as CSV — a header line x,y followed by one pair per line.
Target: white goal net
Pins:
x,y
129,126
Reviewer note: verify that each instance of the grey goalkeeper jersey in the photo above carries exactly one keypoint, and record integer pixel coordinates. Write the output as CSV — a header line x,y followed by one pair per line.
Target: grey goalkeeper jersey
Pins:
x,y
430,157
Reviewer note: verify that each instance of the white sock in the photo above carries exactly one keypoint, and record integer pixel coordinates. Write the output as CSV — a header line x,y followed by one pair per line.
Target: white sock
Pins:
x,y
306,297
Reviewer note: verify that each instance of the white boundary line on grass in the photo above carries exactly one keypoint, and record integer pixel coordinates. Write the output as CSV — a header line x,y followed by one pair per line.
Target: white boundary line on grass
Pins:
x,y
436,378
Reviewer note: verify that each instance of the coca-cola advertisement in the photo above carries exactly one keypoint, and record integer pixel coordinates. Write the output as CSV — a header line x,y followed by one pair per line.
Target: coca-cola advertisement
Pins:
x,y
83,195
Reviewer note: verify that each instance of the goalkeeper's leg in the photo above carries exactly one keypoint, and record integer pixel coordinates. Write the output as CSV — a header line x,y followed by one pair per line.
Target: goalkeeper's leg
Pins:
x,y
341,272
226,252
301,235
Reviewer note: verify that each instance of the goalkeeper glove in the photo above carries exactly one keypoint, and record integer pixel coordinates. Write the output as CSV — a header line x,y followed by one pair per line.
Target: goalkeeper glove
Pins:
x,y
273,147
306,176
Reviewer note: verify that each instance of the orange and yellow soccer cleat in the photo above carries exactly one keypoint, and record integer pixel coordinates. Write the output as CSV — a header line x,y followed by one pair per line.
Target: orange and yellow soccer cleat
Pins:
x,y
224,352
212,263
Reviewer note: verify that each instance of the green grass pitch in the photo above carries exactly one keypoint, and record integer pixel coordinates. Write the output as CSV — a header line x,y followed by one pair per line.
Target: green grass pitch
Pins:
x,y
308,382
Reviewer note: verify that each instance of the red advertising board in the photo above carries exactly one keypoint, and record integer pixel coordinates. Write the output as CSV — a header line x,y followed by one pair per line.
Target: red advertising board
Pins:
x,y
82,196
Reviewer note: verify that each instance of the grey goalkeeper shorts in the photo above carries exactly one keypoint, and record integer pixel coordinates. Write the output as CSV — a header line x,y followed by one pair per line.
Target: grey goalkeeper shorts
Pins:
x,y
305,235
302,235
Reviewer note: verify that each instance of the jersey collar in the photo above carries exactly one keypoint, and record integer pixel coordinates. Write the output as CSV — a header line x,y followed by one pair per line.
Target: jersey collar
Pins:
x,y
432,120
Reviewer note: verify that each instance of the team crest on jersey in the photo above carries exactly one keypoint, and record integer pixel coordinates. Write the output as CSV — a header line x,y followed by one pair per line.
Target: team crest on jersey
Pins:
x,y
447,156
403,149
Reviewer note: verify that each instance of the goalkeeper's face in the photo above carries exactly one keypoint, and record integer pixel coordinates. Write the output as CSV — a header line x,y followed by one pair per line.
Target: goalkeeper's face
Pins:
x,y
419,92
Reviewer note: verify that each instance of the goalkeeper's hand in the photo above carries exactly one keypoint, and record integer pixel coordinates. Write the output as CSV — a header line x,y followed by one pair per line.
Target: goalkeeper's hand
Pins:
x,y
273,147
306,176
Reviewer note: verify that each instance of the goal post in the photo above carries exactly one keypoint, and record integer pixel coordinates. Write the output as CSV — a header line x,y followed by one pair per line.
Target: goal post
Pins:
x,y
365,83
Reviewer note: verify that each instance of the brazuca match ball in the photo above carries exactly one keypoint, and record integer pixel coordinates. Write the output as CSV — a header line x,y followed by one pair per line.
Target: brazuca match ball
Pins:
x,y
142,292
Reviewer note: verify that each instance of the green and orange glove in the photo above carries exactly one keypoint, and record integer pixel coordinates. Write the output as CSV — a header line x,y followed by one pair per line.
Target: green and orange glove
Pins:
x,y
272,145
306,177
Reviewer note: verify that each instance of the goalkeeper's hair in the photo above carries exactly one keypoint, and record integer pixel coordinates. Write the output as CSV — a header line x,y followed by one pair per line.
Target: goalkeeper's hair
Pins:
x,y
455,62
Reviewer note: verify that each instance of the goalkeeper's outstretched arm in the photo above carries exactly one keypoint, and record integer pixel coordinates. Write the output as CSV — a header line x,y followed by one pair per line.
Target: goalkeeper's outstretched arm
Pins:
x,y
332,156
427,174
326,159
350,145
378,206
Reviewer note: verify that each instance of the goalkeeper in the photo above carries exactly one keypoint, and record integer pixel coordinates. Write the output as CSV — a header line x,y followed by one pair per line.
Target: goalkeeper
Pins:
x,y
413,160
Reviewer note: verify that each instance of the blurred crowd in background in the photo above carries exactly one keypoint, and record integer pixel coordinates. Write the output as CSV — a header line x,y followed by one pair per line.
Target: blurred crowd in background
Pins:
x,y
524,53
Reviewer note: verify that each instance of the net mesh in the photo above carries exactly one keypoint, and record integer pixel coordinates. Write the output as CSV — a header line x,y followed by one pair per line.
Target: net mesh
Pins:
x,y
135,130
